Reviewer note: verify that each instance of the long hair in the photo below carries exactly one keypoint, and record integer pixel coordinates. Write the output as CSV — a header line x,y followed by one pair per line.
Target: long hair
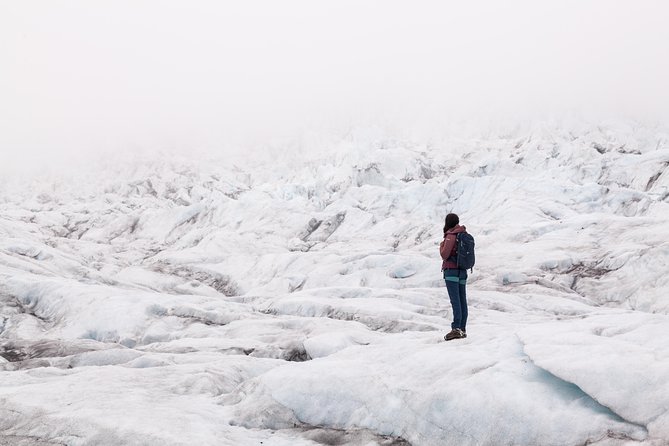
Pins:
x,y
451,221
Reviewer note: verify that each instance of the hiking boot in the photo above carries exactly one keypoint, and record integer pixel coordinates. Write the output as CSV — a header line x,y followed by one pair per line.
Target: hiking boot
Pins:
x,y
456,333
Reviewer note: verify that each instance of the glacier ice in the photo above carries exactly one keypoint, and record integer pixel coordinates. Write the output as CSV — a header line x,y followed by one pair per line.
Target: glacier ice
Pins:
x,y
297,300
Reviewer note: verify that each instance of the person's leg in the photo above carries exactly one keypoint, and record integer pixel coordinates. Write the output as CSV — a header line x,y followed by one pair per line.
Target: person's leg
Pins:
x,y
453,286
462,294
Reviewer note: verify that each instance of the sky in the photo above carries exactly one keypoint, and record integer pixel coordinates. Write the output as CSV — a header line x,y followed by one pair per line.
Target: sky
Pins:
x,y
80,77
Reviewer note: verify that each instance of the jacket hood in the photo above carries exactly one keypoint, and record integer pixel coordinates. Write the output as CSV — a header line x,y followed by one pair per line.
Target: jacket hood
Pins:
x,y
456,230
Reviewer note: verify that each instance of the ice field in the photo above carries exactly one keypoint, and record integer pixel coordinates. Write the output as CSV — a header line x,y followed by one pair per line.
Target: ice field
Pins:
x,y
296,299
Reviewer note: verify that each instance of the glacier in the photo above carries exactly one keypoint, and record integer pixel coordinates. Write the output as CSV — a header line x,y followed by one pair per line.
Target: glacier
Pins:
x,y
295,297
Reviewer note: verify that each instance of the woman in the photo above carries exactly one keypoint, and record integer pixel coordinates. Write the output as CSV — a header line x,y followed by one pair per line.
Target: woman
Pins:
x,y
455,278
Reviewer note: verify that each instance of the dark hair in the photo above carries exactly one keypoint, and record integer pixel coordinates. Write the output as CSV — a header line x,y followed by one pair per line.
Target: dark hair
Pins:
x,y
452,221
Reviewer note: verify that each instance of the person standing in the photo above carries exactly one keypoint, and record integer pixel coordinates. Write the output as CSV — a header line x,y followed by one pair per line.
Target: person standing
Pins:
x,y
455,278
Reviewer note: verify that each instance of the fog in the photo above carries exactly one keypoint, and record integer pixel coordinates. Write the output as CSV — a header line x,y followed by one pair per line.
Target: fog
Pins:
x,y
80,78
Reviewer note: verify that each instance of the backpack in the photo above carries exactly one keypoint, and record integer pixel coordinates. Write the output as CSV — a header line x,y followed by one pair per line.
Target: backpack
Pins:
x,y
465,257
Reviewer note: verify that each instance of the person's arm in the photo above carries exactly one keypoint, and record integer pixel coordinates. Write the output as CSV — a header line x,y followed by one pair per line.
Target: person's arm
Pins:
x,y
446,246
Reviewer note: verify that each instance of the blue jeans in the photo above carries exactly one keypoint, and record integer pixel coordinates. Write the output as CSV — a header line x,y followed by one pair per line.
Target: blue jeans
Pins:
x,y
456,284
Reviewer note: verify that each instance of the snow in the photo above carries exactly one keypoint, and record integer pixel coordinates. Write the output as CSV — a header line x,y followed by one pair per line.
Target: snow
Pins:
x,y
297,299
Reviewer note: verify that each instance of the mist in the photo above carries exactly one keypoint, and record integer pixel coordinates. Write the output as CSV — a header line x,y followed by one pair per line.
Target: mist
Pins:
x,y
79,79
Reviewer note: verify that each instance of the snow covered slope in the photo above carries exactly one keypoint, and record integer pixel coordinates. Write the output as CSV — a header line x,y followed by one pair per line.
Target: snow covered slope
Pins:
x,y
298,300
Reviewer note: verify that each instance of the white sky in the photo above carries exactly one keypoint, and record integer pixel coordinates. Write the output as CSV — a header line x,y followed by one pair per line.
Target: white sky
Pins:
x,y
89,76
